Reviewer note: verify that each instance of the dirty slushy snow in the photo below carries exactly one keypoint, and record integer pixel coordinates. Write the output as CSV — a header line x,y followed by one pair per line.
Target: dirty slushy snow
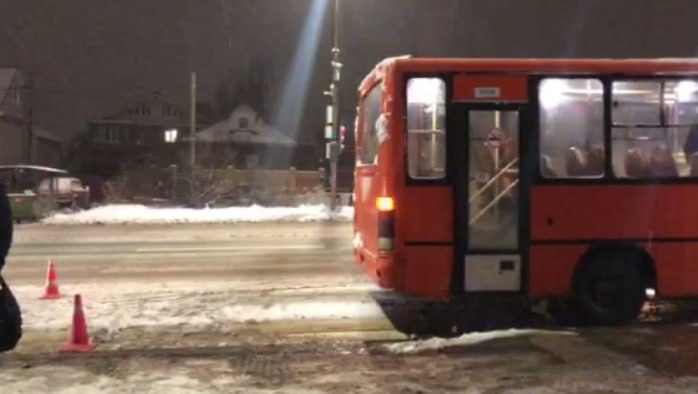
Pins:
x,y
125,305
333,374
473,338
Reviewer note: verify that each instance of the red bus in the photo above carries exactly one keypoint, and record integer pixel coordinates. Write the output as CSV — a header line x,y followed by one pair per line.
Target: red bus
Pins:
x,y
543,179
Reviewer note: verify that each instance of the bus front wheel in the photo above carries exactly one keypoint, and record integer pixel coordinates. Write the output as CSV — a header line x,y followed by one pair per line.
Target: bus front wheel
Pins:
x,y
609,288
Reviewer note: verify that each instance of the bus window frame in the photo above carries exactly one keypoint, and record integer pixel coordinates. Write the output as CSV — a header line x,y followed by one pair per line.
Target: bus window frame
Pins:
x,y
662,80
535,132
622,77
447,179
609,177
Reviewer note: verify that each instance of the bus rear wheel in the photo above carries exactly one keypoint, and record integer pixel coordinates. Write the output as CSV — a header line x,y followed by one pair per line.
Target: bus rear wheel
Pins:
x,y
609,289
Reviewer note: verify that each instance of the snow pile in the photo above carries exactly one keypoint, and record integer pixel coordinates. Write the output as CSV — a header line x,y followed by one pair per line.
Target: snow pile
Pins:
x,y
125,305
303,310
463,340
140,214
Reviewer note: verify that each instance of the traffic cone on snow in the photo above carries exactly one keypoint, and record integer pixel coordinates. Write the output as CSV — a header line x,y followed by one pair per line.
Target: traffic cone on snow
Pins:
x,y
79,336
51,292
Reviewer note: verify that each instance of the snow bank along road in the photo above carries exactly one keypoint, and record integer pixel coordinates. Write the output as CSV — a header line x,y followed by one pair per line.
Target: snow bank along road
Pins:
x,y
282,308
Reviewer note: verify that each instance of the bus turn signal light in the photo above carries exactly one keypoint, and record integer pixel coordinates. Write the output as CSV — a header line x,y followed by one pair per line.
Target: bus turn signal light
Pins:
x,y
385,204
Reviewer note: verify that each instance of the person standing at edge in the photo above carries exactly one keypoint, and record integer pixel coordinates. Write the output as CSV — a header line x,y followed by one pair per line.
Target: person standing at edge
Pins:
x,y
10,312
6,226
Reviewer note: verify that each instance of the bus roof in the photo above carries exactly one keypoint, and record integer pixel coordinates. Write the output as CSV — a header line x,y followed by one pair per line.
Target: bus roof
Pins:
x,y
532,65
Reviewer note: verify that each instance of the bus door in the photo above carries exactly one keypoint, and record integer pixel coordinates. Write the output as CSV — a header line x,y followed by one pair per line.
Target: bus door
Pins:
x,y
490,197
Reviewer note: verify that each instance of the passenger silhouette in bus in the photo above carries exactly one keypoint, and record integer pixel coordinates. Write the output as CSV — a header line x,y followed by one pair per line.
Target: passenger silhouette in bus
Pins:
x,y
595,160
662,163
636,163
690,147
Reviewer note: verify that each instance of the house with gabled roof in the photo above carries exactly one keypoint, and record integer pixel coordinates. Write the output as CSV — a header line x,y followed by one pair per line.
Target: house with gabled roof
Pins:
x,y
244,140
47,148
143,131
154,131
13,132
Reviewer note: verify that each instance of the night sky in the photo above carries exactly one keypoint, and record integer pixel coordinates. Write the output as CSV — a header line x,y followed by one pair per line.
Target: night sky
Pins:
x,y
91,56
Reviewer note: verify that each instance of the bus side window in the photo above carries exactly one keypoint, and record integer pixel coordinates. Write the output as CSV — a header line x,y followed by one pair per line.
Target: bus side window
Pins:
x,y
546,167
651,141
572,131
426,128
371,111
693,162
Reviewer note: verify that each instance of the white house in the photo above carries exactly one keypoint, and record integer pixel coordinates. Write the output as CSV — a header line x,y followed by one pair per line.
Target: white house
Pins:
x,y
244,126
245,140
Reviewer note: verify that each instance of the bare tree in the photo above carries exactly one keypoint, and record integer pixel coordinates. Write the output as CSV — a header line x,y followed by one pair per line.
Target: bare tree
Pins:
x,y
252,86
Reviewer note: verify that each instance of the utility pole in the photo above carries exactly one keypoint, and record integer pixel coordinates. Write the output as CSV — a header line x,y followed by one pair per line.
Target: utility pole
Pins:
x,y
332,123
192,133
28,106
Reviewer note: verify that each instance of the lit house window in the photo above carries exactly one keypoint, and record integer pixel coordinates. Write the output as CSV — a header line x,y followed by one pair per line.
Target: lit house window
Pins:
x,y
171,136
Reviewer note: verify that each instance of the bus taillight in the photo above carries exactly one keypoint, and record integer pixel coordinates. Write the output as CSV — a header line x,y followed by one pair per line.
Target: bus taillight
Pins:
x,y
385,204
386,223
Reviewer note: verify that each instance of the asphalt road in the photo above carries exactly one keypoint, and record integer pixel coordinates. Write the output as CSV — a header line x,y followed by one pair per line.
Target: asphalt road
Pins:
x,y
268,257
184,252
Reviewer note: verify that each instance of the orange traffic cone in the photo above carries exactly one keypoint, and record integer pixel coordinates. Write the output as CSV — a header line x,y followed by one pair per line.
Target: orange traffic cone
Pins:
x,y
51,292
79,337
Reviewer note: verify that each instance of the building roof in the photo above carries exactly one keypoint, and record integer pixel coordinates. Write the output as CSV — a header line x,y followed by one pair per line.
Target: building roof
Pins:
x,y
120,113
258,131
40,132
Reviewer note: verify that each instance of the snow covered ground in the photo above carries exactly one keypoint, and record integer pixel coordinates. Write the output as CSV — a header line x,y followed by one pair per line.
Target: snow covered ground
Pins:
x,y
128,305
140,214
411,347
524,371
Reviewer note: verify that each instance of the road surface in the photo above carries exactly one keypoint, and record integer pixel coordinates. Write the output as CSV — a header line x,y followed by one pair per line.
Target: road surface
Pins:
x,y
283,308
281,263
185,252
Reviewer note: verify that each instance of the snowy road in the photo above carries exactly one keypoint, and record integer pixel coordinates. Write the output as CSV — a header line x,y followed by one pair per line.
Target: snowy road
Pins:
x,y
181,252
230,258
196,275
280,278
259,308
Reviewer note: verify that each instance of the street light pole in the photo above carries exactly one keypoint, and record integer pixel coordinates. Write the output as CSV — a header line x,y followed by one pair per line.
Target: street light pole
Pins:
x,y
28,106
192,134
332,127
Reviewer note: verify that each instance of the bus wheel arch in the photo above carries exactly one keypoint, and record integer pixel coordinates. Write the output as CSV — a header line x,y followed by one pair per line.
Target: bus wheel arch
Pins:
x,y
610,281
648,268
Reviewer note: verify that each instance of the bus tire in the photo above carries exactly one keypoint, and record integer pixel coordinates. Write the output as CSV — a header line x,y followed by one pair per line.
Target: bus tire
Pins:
x,y
609,289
